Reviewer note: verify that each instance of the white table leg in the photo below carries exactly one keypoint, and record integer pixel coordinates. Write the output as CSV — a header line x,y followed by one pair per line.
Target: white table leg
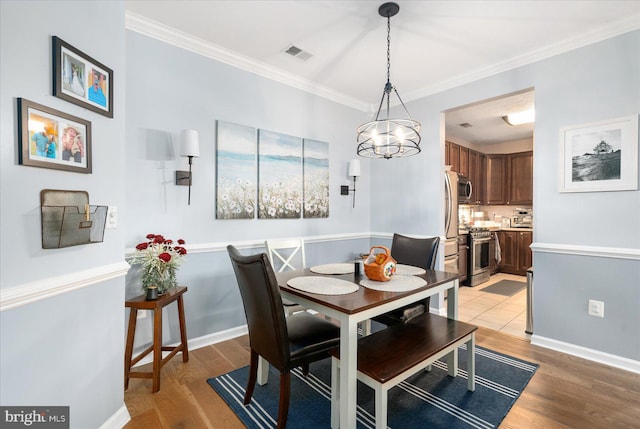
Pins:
x,y
471,363
335,393
452,313
348,373
263,371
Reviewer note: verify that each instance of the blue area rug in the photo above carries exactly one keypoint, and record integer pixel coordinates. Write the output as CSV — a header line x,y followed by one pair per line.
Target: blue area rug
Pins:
x,y
426,400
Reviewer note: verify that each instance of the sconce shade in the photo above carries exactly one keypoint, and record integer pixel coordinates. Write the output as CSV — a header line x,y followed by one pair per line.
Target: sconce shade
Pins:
x,y
354,168
189,144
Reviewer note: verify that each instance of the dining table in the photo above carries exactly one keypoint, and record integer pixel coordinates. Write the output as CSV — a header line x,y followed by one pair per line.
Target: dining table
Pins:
x,y
359,304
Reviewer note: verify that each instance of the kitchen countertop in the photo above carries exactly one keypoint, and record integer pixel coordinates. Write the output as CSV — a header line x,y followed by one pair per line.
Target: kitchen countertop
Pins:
x,y
497,228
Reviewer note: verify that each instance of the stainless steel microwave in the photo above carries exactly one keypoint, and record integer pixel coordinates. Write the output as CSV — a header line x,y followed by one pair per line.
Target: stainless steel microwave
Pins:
x,y
465,190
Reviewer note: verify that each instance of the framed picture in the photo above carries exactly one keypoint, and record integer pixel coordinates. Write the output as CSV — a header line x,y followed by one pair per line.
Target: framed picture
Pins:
x,y
315,168
81,80
52,139
600,156
279,176
237,171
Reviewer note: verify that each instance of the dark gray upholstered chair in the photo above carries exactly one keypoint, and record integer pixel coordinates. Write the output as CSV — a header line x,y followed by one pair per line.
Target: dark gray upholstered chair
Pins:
x,y
419,252
285,342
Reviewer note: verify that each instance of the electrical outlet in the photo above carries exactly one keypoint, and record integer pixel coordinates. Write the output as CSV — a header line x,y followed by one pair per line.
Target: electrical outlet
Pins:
x,y
141,315
596,308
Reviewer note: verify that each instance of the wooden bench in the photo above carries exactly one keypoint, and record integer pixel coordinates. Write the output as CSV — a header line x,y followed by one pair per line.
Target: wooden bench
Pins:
x,y
390,356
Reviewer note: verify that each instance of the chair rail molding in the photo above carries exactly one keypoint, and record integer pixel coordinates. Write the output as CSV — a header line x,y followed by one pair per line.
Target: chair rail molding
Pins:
x,y
28,293
581,250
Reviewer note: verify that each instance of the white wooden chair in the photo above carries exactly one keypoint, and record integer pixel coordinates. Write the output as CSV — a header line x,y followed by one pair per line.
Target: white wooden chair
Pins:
x,y
287,254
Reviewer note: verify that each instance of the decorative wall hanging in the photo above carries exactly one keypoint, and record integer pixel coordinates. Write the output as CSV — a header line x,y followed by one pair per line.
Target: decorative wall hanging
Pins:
x,y
600,156
80,79
316,179
52,139
279,176
237,171
68,219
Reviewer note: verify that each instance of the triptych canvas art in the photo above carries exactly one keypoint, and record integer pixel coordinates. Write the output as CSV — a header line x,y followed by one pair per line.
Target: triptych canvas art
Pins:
x,y
269,175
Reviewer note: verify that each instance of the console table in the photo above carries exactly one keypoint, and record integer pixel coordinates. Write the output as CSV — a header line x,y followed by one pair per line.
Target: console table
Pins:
x,y
140,303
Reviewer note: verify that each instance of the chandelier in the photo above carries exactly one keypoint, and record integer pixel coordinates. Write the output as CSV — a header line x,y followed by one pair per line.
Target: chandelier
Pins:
x,y
385,137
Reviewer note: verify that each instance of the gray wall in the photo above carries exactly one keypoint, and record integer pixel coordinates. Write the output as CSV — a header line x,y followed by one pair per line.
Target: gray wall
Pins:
x,y
73,342
169,89
594,83
67,349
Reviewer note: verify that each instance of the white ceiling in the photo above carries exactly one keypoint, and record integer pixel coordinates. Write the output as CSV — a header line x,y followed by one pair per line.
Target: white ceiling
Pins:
x,y
435,45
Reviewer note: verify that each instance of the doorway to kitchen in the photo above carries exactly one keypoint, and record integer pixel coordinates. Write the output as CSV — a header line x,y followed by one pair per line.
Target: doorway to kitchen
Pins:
x,y
489,147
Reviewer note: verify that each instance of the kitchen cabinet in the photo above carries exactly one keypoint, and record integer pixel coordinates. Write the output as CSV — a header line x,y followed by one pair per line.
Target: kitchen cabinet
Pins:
x,y
515,252
520,178
463,168
510,179
477,173
525,257
452,156
463,252
495,191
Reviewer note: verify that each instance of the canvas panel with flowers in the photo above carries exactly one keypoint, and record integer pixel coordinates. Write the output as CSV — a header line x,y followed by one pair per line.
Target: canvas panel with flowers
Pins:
x,y
159,259
237,171
316,179
279,176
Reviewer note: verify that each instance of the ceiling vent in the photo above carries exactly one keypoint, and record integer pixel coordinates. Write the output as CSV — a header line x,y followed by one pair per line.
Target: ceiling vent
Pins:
x,y
465,125
294,51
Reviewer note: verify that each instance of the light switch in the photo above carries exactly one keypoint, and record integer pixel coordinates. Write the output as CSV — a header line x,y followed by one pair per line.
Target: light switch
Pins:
x,y
112,217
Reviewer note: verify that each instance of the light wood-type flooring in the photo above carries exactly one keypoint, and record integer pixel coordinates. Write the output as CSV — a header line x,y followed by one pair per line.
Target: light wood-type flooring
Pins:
x,y
565,392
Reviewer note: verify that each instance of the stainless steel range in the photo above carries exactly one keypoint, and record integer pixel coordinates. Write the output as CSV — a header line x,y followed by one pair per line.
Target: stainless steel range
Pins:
x,y
478,262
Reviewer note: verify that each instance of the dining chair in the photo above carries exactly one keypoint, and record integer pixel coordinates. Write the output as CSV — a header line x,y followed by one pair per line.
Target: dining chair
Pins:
x,y
287,254
285,342
418,252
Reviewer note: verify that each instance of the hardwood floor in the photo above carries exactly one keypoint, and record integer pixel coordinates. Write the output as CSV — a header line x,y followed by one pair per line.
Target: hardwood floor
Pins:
x,y
565,392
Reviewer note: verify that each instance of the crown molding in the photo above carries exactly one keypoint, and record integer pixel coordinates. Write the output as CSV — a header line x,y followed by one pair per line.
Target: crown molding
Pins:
x,y
164,33
626,25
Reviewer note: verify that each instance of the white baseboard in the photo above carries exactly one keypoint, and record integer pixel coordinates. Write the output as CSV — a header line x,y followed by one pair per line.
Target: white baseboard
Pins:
x,y
118,419
205,340
586,353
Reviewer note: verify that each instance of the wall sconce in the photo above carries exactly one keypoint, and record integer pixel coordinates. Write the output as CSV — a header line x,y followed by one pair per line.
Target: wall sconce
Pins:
x,y
189,147
352,171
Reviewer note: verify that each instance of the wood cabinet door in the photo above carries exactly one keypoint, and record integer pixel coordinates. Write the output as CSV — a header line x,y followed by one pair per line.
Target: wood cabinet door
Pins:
x,y
446,152
520,178
525,259
509,252
495,190
454,157
464,161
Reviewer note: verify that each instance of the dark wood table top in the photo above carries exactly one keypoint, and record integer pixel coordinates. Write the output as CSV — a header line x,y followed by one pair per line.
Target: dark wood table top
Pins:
x,y
364,298
168,297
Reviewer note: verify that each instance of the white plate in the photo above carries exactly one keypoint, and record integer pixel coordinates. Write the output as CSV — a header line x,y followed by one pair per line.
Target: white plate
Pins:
x,y
323,285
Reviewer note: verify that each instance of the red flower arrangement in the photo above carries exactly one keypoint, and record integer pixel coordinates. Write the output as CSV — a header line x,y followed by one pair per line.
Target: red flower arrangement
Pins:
x,y
159,259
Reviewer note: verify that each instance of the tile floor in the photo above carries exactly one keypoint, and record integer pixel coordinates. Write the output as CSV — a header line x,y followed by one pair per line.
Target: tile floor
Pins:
x,y
506,314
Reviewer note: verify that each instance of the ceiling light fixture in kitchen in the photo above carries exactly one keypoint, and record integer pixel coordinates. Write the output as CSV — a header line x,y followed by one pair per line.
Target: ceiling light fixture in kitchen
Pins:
x,y
384,137
519,118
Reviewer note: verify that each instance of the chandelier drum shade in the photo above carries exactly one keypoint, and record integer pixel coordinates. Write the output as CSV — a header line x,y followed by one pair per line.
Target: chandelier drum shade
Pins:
x,y
386,137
